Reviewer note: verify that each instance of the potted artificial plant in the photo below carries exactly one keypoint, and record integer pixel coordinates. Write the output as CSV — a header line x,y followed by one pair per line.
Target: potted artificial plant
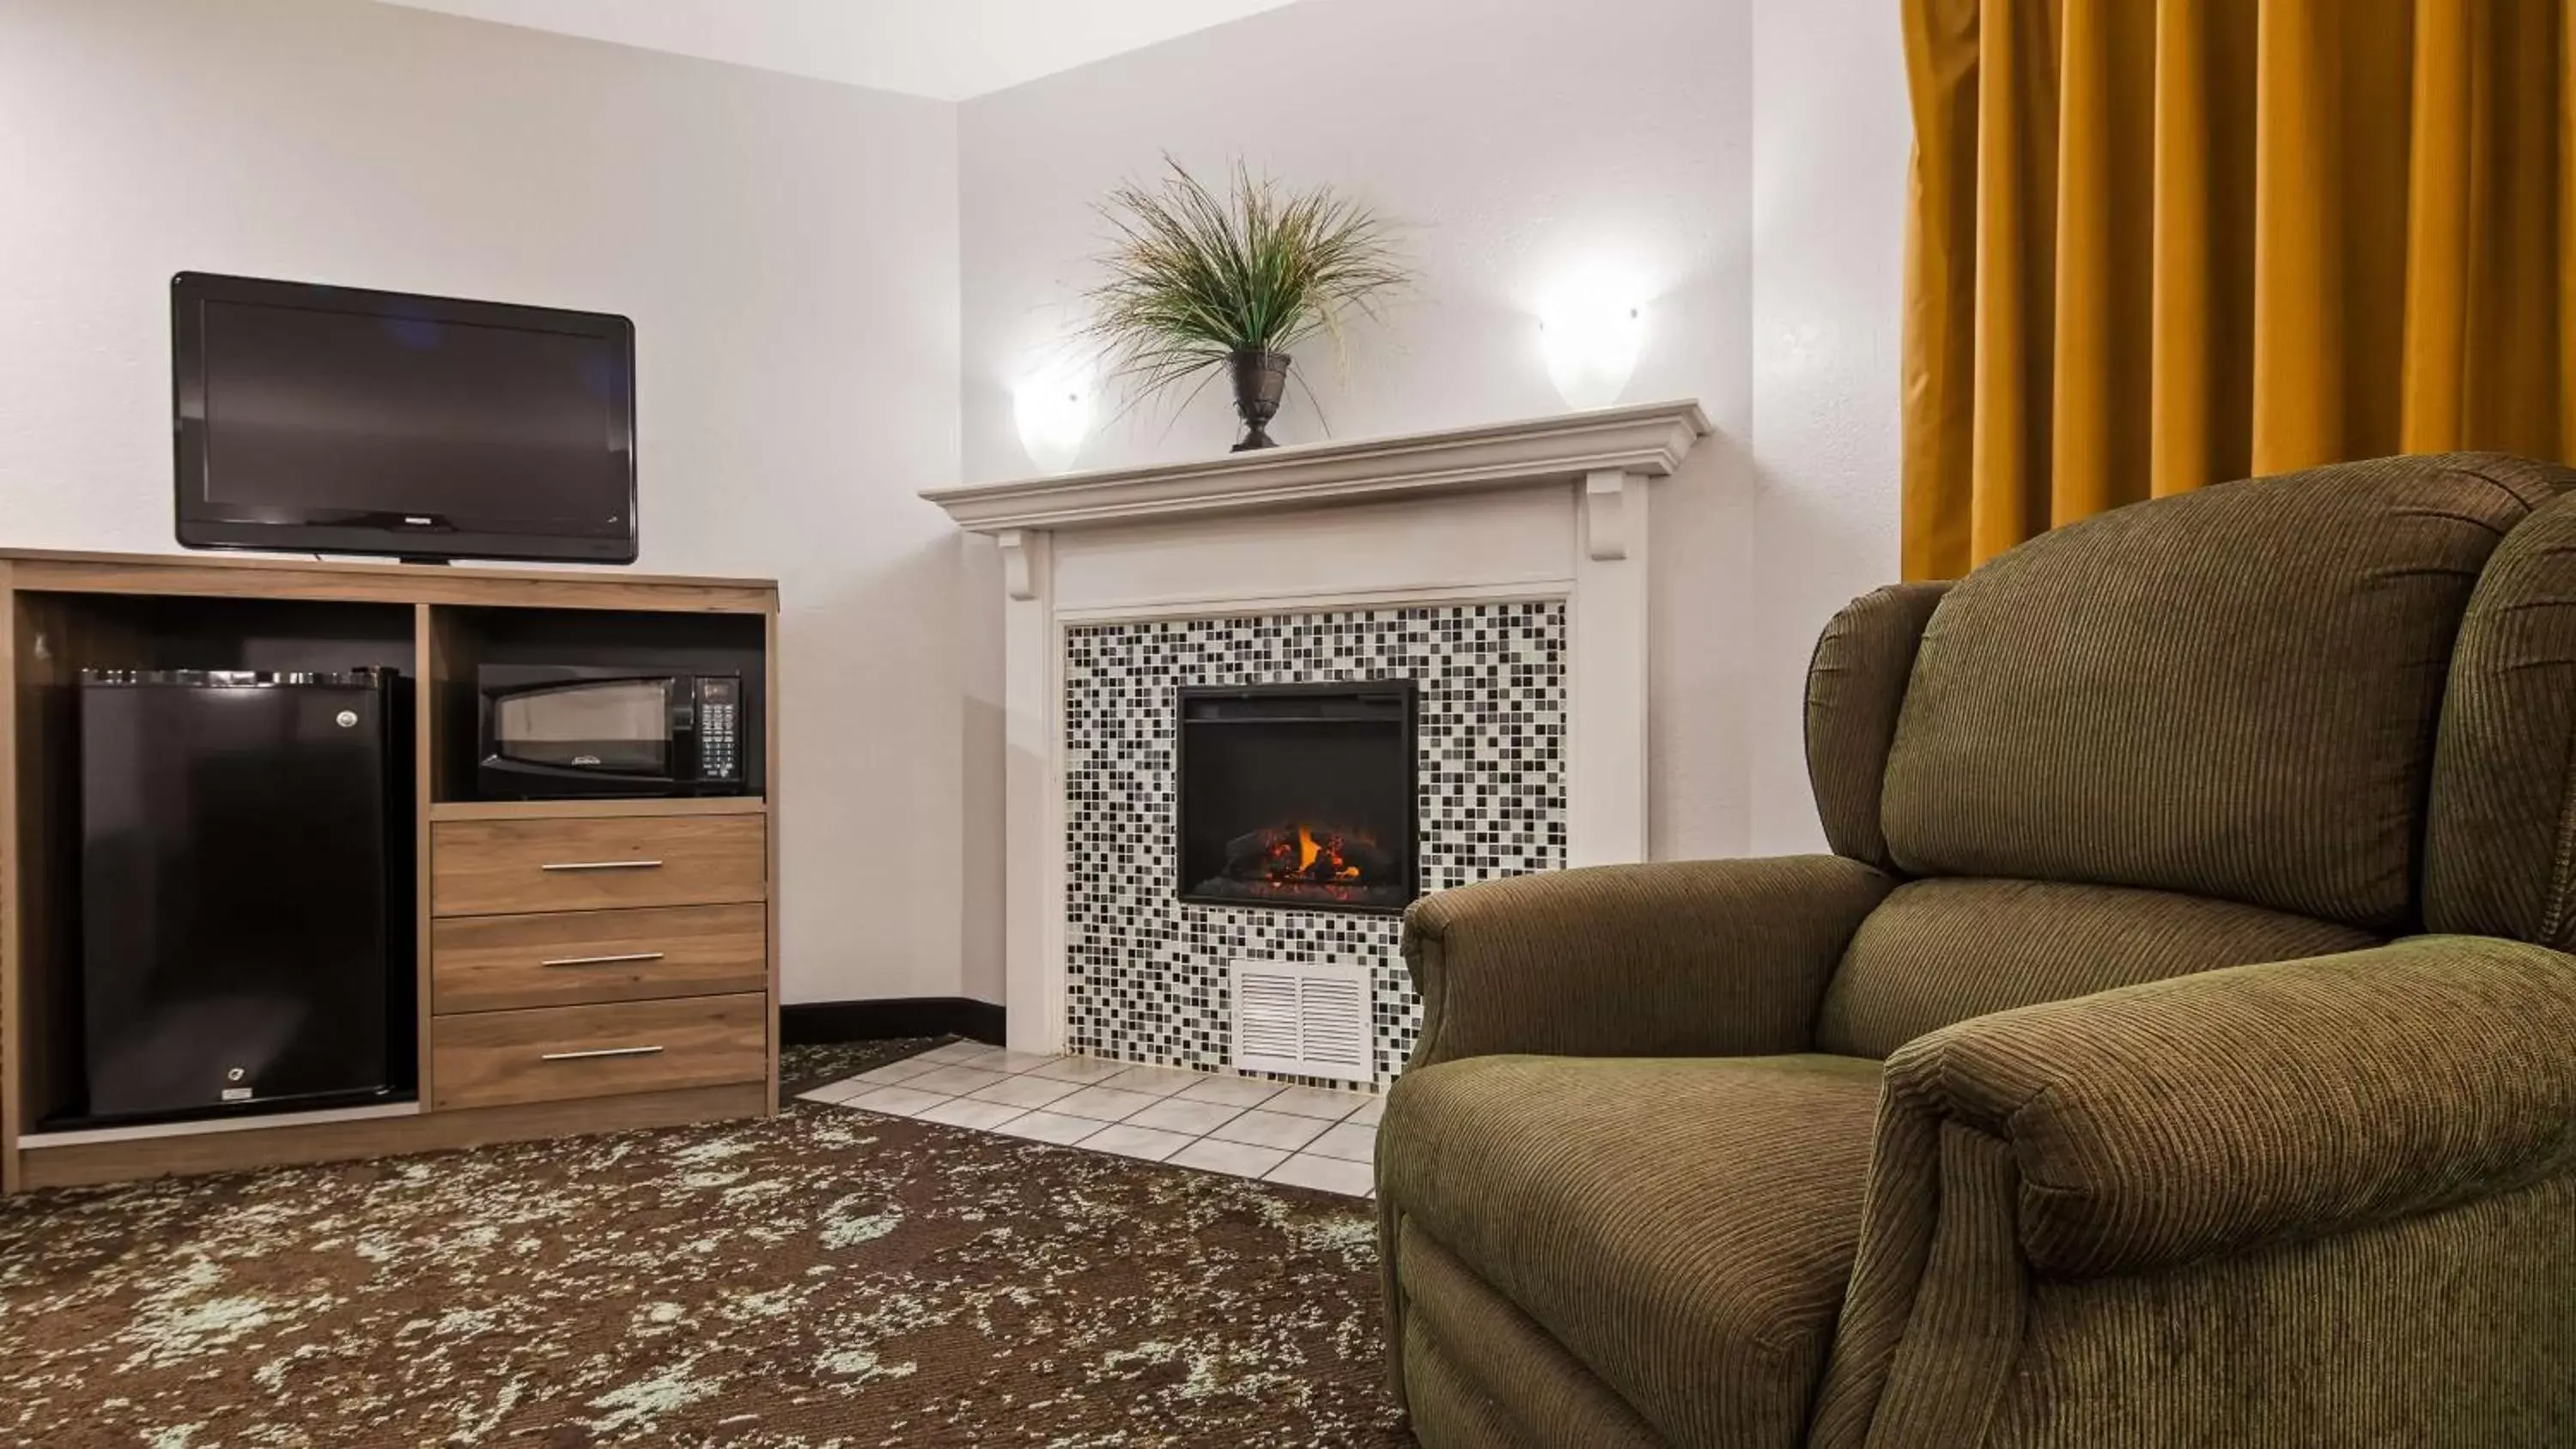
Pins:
x,y
1202,282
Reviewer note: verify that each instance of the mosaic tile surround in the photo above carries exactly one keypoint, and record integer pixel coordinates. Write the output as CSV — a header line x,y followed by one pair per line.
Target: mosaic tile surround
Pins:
x,y
1146,974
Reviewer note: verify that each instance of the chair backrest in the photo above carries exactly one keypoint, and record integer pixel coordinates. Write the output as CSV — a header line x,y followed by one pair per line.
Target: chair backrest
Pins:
x,y
2191,733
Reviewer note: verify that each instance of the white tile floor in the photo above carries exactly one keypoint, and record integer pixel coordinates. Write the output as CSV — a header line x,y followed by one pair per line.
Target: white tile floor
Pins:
x,y
1301,1136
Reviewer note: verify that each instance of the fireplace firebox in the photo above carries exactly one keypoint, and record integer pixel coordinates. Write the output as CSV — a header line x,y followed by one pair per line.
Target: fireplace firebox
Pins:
x,y
1299,796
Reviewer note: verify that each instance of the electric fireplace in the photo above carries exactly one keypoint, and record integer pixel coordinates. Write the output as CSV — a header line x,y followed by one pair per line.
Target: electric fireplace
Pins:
x,y
1299,796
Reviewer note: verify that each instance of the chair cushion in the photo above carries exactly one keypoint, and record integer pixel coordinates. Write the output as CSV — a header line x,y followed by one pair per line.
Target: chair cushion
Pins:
x,y
2229,693
1683,1228
1941,951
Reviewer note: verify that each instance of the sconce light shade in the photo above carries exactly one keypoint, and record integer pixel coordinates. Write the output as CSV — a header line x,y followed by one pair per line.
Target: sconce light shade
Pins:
x,y
1054,414
1591,337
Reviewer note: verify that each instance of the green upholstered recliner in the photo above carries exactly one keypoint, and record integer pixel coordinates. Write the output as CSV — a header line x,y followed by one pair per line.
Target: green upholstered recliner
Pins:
x,y
2178,1048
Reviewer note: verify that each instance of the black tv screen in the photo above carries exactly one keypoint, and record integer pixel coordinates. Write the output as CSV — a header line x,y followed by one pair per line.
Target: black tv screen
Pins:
x,y
318,419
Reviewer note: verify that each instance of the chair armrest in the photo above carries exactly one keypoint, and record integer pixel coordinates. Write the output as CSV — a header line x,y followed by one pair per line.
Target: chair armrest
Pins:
x,y
2186,1118
1684,958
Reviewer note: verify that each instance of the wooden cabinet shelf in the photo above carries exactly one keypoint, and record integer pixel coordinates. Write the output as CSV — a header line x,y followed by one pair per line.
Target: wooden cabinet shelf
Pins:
x,y
593,809
494,925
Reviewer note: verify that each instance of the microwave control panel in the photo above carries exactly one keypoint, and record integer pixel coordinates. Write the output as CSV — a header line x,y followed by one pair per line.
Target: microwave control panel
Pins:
x,y
720,729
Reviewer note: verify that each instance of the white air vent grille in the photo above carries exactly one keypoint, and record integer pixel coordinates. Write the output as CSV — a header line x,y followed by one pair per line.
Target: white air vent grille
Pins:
x,y
1305,1019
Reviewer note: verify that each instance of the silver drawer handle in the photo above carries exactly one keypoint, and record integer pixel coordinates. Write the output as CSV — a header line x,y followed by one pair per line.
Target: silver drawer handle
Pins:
x,y
643,1051
603,960
602,865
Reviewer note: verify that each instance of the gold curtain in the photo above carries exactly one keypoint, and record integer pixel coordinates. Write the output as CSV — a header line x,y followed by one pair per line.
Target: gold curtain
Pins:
x,y
2154,244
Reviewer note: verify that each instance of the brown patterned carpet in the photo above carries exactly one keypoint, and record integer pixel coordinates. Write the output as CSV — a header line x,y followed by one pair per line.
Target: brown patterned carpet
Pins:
x,y
826,1278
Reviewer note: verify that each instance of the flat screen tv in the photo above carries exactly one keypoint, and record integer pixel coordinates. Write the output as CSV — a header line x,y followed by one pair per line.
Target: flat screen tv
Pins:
x,y
316,419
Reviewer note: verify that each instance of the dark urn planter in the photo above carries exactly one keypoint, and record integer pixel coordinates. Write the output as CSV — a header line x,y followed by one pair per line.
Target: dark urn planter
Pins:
x,y
1260,382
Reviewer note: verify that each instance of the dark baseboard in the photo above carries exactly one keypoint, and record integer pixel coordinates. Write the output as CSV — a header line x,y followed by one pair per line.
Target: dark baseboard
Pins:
x,y
823,1023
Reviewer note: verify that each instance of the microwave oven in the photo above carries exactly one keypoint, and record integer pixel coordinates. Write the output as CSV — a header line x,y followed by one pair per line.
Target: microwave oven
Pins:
x,y
561,731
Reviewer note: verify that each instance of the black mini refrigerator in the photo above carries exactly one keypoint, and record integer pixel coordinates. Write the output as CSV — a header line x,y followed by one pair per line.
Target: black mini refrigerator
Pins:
x,y
245,897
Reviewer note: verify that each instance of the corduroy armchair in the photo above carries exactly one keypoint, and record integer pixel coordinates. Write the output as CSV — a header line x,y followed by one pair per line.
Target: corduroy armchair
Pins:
x,y
2179,1047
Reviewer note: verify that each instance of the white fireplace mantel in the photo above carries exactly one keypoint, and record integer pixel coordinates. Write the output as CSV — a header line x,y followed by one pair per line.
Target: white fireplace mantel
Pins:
x,y
1547,508
1647,440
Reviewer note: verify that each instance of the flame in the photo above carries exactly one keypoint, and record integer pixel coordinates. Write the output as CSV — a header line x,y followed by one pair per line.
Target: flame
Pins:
x,y
1308,857
1301,858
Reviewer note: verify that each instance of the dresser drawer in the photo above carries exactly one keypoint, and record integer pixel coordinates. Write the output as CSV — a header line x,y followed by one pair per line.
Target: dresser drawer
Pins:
x,y
496,963
555,1053
507,867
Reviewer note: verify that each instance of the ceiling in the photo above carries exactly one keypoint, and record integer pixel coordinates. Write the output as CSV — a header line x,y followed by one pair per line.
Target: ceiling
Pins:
x,y
947,49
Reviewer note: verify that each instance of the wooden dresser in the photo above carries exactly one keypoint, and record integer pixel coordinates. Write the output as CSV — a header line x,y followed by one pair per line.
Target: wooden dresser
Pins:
x,y
581,965
593,955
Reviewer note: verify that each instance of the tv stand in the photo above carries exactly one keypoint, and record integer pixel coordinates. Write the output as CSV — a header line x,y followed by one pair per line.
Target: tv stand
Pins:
x,y
676,1023
424,560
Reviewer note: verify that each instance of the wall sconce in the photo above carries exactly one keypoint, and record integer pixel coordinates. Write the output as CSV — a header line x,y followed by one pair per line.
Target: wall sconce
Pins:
x,y
1591,335
1054,414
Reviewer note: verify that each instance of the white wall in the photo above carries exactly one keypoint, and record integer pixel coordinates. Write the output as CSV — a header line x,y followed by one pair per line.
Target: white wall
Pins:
x,y
1527,141
787,248
1743,159
1831,133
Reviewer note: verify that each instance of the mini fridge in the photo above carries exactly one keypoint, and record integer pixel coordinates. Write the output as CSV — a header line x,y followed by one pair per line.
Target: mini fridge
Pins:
x,y
245,897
